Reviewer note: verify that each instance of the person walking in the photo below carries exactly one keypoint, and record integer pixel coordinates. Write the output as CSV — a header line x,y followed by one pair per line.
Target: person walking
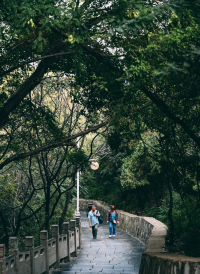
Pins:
x,y
94,221
112,219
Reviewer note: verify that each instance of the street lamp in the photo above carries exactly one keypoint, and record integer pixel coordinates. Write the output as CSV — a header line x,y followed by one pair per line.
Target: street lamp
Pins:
x,y
77,214
94,165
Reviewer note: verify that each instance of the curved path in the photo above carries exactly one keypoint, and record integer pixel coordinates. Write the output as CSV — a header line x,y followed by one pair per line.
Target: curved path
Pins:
x,y
121,254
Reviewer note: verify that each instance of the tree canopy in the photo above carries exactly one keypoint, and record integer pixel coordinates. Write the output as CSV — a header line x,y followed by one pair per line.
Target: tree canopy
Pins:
x,y
127,70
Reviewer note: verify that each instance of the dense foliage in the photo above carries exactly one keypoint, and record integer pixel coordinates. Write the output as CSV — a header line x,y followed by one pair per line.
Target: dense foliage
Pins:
x,y
69,68
154,133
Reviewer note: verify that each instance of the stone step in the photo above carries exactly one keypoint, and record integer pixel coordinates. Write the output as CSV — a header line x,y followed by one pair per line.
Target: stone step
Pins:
x,y
104,265
105,255
92,271
111,267
61,272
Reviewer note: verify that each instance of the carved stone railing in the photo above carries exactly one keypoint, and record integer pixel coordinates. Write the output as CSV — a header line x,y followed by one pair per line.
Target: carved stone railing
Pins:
x,y
47,256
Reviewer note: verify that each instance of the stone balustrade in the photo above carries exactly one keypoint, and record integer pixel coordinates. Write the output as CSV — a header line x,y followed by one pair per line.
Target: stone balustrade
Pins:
x,y
47,256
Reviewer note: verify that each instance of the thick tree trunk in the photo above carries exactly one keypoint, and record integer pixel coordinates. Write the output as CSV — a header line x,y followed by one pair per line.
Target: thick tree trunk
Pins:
x,y
141,204
16,98
5,229
65,209
47,207
170,213
68,197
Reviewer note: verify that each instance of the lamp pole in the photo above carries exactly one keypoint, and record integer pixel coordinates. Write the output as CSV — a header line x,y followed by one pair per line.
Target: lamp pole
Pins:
x,y
77,214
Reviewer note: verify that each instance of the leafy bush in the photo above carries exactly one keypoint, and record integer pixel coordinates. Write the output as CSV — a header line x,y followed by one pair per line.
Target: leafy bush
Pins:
x,y
186,221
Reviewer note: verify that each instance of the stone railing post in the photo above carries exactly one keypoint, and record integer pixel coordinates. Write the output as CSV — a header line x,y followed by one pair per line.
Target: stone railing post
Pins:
x,y
44,242
73,228
13,250
55,235
2,259
78,224
29,245
66,231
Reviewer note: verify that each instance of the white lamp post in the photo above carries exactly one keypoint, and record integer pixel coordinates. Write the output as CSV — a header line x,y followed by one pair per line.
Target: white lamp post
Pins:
x,y
77,214
94,165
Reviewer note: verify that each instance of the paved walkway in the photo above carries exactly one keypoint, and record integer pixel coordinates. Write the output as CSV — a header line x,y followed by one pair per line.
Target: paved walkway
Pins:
x,y
121,254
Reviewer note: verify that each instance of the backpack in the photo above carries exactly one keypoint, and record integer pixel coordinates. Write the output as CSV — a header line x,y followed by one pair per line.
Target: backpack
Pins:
x,y
100,218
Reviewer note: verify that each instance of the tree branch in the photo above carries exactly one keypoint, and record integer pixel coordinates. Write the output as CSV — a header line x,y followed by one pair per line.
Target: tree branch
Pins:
x,y
16,98
63,142
31,61
164,108
192,25
23,42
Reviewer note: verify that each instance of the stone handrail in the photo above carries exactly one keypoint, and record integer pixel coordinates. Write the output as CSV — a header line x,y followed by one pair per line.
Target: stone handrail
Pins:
x,y
47,256
155,260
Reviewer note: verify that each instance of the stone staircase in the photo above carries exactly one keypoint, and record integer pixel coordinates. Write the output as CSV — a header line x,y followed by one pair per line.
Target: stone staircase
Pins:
x,y
121,254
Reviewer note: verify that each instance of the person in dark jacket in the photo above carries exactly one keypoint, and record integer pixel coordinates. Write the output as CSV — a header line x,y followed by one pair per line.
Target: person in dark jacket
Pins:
x,y
112,219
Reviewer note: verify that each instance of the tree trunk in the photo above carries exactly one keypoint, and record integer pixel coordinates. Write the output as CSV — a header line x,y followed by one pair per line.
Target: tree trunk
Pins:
x,y
47,206
5,229
16,98
170,213
68,196
141,204
65,209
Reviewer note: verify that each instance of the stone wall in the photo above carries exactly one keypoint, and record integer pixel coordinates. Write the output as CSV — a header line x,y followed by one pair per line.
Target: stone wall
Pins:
x,y
149,230
47,256
152,232
167,263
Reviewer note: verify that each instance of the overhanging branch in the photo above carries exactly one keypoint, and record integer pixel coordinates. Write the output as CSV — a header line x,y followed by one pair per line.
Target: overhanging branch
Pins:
x,y
32,61
164,108
63,142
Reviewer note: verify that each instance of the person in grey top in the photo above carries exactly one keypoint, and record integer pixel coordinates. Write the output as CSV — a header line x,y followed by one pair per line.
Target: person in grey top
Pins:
x,y
94,221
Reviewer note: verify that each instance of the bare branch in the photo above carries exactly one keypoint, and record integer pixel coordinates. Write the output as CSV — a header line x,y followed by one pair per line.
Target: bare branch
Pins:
x,y
32,61
63,142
